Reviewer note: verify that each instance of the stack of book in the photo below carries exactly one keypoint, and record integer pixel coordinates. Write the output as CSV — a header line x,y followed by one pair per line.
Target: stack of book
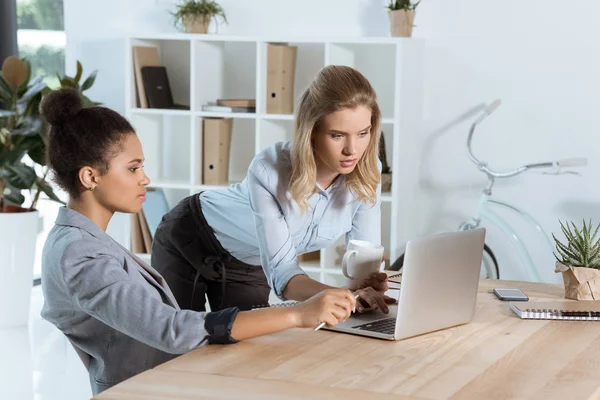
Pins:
x,y
232,106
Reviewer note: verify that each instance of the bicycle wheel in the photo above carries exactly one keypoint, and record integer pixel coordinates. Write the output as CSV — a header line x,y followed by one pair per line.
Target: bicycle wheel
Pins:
x,y
489,264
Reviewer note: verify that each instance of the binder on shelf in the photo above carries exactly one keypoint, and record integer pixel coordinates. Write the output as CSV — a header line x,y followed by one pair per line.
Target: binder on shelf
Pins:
x,y
137,242
155,207
145,222
141,240
145,232
158,89
216,145
143,56
281,71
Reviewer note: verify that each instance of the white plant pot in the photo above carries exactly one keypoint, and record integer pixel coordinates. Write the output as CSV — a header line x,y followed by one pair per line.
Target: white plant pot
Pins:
x,y
18,234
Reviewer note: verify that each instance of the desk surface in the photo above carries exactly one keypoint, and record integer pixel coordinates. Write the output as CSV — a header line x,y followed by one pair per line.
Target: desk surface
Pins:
x,y
496,356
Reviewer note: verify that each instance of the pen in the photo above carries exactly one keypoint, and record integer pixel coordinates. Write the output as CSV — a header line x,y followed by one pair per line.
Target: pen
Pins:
x,y
322,324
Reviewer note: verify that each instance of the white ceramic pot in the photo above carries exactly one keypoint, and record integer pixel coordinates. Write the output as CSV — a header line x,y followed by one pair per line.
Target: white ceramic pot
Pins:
x,y
18,234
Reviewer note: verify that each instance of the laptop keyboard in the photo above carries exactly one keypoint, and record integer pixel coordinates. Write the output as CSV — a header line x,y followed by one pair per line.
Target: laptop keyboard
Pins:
x,y
386,326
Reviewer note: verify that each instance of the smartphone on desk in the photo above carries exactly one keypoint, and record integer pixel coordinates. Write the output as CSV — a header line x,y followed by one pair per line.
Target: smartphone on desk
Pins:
x,y
510,294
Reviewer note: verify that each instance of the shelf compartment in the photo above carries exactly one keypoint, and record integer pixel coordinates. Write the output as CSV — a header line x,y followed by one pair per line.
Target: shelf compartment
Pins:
x,y
223,70
165,140
170,53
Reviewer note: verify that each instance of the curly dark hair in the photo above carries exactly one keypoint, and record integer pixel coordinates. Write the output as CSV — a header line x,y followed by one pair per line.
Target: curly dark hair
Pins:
x,y
80,137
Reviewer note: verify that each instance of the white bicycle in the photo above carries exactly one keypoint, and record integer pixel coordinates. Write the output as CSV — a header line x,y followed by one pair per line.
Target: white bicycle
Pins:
x,y
490,268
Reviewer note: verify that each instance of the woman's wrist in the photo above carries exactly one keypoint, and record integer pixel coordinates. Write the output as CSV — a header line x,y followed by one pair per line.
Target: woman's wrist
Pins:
x,y
294,316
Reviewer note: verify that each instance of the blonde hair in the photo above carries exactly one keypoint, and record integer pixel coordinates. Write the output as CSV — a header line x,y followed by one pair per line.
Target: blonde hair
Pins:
x,y
334,88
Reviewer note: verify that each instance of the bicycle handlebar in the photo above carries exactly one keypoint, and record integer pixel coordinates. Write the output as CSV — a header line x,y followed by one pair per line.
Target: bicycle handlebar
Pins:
x,y
556,165
572,162
492,107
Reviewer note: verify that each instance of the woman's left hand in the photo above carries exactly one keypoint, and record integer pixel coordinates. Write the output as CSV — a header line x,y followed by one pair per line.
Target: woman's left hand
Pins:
x,y
372,293
378,281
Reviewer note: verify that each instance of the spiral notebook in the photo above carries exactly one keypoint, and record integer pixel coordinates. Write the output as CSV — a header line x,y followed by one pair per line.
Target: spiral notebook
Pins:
x,y
561,310
284,304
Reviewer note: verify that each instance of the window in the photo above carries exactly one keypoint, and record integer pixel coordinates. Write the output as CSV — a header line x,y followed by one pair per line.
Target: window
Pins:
x,y
42,40
41,37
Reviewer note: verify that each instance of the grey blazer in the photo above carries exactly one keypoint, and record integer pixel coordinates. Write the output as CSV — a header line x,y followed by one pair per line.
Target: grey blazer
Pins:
x,y
117,311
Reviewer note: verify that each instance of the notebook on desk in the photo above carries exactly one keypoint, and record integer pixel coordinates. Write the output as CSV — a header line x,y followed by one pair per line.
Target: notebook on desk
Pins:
x,y
561,310
268,305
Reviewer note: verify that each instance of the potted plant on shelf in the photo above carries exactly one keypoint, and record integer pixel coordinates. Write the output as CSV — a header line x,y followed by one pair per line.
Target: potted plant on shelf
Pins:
x,y
386,173
195,15
579,261
402,17
23,138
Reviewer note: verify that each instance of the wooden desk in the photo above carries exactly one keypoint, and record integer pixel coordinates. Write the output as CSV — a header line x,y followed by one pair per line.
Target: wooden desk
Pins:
x,y
497,356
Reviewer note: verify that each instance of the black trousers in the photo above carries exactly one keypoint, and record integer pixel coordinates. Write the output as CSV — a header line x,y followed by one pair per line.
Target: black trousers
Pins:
x,y
187,254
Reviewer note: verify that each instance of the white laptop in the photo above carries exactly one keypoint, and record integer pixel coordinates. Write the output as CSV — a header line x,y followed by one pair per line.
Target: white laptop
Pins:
x,y
439,286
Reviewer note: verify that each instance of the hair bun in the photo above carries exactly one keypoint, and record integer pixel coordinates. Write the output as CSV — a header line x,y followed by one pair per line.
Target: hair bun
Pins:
x,y
60,105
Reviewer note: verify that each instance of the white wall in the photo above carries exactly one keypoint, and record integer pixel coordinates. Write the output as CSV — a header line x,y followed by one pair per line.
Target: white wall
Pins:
x,y
539,57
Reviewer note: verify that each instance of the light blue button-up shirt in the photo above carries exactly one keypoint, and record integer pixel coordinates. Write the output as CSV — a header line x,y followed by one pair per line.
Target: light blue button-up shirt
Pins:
x,y
258,222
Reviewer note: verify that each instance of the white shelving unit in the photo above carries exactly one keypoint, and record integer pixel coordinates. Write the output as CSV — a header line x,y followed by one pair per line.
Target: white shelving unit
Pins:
x,y
203,68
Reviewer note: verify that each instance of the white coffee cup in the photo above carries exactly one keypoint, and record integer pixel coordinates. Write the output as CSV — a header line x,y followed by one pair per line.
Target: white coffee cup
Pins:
x,y
360,261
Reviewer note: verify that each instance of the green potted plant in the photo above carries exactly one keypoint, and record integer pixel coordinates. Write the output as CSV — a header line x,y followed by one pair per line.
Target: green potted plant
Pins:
x,y
75,82
579,261
402,17
23,139
195,15
386,172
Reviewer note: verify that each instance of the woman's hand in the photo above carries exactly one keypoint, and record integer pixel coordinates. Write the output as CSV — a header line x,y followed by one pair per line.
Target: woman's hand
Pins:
x,y
372,293
331,306
378,281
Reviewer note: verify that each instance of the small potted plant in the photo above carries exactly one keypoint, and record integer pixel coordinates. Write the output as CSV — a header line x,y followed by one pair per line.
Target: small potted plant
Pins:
x,y
579,261
402,17
386,173
195,15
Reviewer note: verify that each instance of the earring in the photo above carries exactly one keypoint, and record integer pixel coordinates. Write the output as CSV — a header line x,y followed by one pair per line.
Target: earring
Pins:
x,y
91,188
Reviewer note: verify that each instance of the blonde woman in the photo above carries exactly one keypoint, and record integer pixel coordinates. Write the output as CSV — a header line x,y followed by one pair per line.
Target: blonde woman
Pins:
x,y
236,244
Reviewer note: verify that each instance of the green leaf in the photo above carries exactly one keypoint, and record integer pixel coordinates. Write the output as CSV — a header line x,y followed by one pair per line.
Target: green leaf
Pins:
x,y
20,176
15,197
593,237
47,189
23,88
563,250
582,248
35,87
8,157
37,153
566,231
89,103
68,82
89,81
29,126
79,72
6,90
